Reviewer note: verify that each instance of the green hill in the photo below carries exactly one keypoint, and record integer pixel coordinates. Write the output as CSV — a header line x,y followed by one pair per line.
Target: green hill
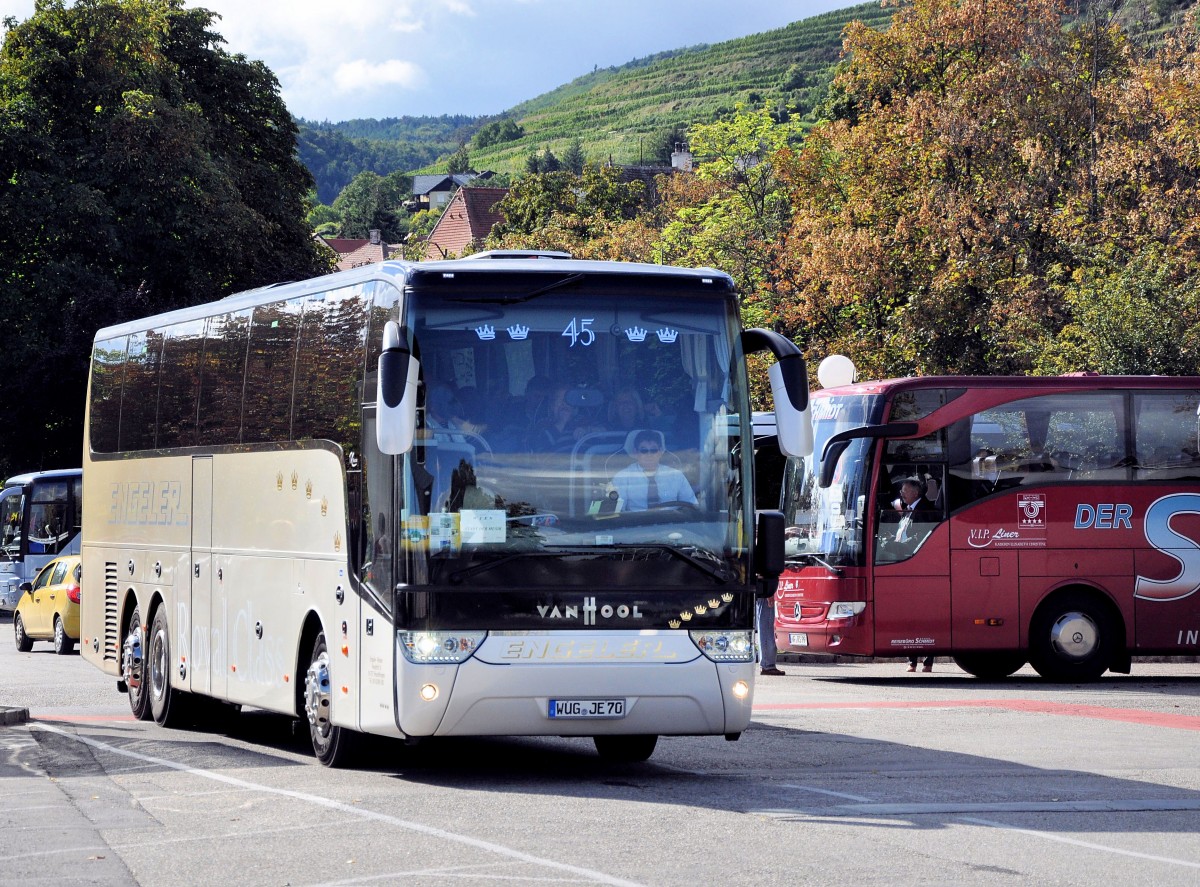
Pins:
x,y
632,113
620,112
616,112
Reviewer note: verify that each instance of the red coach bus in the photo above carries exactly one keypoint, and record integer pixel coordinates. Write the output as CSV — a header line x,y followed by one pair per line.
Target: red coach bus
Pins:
x,y
1058,523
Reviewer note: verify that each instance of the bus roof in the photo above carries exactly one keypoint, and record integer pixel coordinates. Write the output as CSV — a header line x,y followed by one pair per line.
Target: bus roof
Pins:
x,y
29,476
1071,382
401,272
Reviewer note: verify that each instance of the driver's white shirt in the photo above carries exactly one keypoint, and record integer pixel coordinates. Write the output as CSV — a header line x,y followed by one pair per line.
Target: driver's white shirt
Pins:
x,y
631,484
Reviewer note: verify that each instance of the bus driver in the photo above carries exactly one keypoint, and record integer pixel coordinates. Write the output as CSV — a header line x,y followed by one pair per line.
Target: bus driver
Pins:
x,y
647,484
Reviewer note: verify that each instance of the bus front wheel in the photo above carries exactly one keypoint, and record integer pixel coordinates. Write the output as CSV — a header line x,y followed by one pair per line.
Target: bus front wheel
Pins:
x,y
990,666
1071,638
331,745
625,749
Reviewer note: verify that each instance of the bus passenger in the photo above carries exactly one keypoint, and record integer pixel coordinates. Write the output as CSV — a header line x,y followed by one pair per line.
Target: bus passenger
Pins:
x,y
646,483
625,411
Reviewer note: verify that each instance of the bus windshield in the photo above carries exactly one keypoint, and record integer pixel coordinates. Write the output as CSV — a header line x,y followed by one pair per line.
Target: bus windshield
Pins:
x,y
591,419
826,525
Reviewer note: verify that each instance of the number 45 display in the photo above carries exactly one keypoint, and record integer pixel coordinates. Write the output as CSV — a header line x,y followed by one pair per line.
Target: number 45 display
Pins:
x,y
580,330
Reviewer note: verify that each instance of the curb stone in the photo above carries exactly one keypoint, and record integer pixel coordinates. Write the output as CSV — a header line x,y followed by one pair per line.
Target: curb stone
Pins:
x,y
10,715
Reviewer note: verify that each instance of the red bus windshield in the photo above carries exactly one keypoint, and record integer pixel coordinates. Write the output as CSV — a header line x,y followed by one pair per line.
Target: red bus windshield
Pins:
x,y
1055,521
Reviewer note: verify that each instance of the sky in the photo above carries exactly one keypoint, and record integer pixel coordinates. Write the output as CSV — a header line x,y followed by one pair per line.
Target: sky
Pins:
x,y
343,59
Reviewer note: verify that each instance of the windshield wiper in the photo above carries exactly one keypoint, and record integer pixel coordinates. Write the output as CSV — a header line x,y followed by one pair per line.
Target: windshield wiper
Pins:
x,y
720,574
814,559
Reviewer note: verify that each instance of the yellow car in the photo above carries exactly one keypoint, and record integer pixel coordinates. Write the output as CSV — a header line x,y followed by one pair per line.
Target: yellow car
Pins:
x,y
49,607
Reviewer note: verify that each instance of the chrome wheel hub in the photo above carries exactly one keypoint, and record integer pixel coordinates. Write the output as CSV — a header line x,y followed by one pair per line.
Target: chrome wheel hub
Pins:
x,y
132,662
317,693
1074,636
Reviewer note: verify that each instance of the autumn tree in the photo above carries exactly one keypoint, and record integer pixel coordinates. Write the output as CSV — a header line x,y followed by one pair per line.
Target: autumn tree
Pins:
x,y
926,233
143,169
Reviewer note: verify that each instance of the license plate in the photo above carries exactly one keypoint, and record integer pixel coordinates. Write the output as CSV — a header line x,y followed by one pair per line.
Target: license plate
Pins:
x,y
798,639
587,708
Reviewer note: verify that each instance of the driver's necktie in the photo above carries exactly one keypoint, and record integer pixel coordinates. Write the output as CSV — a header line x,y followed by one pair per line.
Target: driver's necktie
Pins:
x,y
651,491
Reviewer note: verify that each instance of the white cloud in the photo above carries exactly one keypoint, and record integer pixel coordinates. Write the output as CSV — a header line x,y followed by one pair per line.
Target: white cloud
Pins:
x,y
360,74
367,58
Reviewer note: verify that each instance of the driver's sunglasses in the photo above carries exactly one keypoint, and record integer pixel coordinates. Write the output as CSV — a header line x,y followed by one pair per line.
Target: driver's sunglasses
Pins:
x,y
648,450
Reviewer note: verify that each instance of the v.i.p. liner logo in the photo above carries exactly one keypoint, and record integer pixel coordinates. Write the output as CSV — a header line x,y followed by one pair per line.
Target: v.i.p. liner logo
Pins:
x,y
1031,508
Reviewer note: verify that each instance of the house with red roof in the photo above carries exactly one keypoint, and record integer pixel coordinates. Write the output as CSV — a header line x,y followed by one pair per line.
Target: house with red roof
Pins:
x,y
356,252
466,222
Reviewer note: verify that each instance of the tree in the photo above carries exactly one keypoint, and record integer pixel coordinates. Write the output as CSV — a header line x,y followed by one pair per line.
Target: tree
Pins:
x,y
573,159
373,202
459,162
143,169
930,222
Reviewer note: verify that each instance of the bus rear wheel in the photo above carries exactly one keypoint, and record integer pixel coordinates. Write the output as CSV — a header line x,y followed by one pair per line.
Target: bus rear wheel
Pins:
x,y
332,745
133,667
625,749
168,705
1071,638
990,666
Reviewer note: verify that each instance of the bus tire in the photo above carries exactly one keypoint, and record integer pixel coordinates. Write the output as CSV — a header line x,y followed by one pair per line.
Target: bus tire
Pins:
x,y
24,641
62,644
331,745
133,667
990,666
1072,637
168,706
625,749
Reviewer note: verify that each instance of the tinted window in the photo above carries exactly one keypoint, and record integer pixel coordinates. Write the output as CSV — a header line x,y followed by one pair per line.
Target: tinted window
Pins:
x,y
183,351
1167,434
270,368
221,382
327,399
139,400
108,360
1054,438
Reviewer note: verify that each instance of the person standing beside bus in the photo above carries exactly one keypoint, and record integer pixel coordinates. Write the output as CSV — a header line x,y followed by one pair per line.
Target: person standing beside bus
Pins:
x,y
765,618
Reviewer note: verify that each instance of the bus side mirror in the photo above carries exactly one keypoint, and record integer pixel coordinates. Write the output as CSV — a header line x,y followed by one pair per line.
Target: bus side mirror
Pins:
x,y
770,558
836,445
396,394
789,389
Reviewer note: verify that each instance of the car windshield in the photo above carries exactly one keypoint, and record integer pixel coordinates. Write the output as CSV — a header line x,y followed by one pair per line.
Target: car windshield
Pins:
x,y
572,417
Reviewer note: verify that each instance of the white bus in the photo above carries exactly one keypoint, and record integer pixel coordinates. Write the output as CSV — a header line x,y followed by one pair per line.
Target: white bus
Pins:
x,y
386,501
39,521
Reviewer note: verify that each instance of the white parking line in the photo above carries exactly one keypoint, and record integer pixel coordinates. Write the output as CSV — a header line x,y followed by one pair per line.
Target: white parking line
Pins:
x,y
1086,844
329,803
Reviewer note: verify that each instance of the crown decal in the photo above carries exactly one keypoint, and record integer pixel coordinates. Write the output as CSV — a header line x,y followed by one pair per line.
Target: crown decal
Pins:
x,y
295,480
686,615
727,597
700,609
674,623
636,333
308,489
713,604
279,480
337,541
324,506
485,332
666,335
517,331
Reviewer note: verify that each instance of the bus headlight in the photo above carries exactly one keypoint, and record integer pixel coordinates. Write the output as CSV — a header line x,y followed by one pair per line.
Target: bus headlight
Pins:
x,y
845,609
440,647
725,646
